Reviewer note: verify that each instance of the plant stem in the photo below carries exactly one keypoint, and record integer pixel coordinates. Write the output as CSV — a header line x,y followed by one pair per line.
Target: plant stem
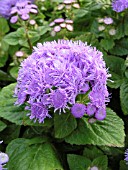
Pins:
x,y
27,36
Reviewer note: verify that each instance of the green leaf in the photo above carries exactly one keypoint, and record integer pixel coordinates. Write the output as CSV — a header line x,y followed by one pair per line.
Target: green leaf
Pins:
x,y
4,28
32,154
125,25
4,45
3,57
116,67
77,162
64,124
119,31
95,6
16,114
121,47
108,132
115,80
11,132
81,12
34,36
90,38
123,165
4,76
11,38
107,44
43,29
14,72
124,97
2,125
101,162
115,64
92,152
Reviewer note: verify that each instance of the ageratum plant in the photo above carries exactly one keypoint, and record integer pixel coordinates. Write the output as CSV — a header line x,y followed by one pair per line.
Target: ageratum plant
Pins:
x,y
59,76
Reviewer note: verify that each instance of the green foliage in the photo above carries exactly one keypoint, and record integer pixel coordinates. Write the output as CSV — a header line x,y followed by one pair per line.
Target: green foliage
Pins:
x,y
2,125
77,162
32,154
107,44
120,47
116,69
124,97
4,28
79,145
92,152
64,124
11,132
109,132
11,38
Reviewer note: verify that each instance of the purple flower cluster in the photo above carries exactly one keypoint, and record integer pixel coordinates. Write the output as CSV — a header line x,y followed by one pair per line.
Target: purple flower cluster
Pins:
x,y
17,8
3,158
60,23
56,73
119,5
126,156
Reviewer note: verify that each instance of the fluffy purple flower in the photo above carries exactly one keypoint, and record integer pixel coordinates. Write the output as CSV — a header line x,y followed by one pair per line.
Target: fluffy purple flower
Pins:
x,y
100,114
91,109
126,156
56,73
5,7
78,110
119,5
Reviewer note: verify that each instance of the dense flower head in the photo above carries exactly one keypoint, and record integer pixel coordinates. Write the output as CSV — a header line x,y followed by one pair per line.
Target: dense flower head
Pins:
x,y
17,8
59,24
78,110
119,5
56,73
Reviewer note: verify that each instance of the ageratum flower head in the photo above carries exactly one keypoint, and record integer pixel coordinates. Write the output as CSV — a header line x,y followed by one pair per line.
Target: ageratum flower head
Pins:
x,y
119,5
56,73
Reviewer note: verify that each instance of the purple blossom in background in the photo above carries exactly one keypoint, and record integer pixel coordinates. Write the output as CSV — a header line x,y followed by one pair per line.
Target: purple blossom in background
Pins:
x,y
3,158
56,73
5,7
59,20
119,5
60,23
108,20
22,9
14,8
126,156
